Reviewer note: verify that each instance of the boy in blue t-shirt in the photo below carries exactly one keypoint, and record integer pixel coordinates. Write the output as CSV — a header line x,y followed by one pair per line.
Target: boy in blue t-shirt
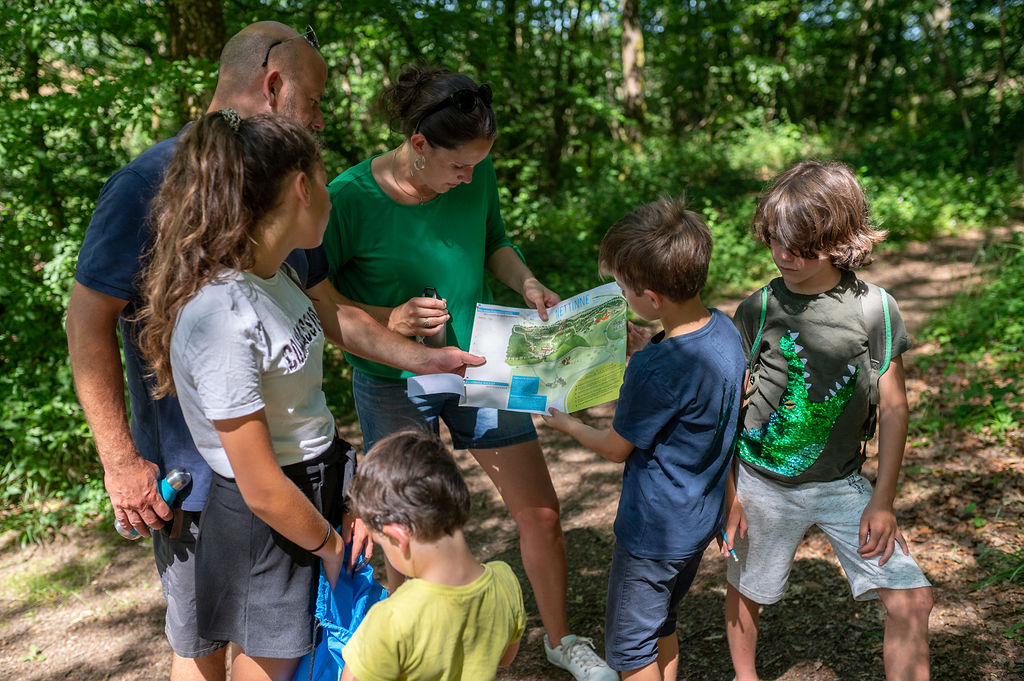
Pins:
x,y
674,428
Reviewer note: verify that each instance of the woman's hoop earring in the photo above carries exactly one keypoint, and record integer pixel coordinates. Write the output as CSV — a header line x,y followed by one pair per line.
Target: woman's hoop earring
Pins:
x,y
420,162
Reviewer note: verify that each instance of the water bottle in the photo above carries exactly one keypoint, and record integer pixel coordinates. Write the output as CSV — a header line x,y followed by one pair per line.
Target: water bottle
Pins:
x,y
438,340
176,479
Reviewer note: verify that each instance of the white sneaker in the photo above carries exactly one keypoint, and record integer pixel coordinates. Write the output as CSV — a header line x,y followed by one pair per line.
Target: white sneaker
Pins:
x,y
576,655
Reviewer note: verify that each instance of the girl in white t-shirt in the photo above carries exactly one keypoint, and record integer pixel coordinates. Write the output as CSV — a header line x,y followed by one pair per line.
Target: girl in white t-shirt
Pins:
x,y
229,331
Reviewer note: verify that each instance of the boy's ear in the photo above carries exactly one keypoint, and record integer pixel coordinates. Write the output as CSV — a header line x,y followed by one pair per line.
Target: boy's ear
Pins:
x,y
399,534
654,297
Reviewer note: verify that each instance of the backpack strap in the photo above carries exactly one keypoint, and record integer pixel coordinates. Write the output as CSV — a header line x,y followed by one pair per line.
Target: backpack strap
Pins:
x,y
875,308
755,348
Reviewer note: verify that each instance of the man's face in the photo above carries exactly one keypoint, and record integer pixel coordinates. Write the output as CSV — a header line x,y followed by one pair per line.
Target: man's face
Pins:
x,y
301,92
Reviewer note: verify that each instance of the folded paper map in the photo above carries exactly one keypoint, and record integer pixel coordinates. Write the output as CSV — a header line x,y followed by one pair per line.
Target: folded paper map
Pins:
x,y
572,361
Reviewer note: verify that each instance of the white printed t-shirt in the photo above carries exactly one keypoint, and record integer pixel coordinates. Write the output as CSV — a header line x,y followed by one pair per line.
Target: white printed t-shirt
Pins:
x,y
244,343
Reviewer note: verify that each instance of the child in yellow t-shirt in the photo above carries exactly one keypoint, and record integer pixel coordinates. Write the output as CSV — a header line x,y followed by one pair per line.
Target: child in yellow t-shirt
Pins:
x,y
453,618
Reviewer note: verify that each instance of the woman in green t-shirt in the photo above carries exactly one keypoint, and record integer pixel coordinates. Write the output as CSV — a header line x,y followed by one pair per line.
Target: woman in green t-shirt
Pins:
x,y
426,214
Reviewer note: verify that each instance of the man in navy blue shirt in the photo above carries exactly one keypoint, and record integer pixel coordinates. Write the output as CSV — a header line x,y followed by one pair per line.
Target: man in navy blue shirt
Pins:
x,y
266,67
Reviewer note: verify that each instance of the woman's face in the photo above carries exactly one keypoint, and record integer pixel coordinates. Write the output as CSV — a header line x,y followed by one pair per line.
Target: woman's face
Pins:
x,y
448,168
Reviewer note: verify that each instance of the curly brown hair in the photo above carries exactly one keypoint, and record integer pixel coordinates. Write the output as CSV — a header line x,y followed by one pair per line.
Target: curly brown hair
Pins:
x,y
225,177
818,208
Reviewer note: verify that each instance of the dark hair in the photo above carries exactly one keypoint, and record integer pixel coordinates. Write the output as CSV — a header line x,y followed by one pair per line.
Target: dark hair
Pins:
x,y
420,88
660,246
815,209
411,479
226,175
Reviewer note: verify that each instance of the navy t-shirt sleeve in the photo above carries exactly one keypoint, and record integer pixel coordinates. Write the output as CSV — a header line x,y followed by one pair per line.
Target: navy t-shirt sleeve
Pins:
x,y
310,265
109,260
319,269
644,407
118,234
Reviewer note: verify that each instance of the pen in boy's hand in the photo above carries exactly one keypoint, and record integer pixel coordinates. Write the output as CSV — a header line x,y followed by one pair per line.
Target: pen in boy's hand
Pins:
x,y
725,539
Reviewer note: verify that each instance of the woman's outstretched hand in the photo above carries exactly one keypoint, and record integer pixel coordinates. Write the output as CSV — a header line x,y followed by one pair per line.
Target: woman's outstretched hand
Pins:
x,y
419,317
539,297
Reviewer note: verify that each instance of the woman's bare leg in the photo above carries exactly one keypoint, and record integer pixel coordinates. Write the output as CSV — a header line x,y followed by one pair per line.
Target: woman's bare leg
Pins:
x,y
521,476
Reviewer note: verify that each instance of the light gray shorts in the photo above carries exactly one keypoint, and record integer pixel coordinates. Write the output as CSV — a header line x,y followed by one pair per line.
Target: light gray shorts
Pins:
x,y
778,517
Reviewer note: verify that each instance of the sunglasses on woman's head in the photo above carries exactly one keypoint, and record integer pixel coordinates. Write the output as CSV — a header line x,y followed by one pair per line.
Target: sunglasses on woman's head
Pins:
x,y
463,99
309,35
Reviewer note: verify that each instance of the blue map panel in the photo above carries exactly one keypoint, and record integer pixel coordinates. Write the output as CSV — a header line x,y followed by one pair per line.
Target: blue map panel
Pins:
x,y
522,394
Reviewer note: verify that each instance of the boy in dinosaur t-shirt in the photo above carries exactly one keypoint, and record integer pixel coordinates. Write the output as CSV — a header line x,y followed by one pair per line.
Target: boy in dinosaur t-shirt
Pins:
x,y
800,447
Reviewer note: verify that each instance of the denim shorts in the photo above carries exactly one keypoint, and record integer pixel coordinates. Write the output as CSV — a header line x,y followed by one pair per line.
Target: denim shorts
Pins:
x,y
778,516
643,602
384,408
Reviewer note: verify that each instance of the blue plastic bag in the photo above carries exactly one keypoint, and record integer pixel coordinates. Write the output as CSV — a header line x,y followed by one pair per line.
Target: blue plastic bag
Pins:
x,y
338,613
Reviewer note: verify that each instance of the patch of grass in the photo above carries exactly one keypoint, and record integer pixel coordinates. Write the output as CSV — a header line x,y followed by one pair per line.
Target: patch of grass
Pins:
x,y
46,583
1003,567
980,337
37,519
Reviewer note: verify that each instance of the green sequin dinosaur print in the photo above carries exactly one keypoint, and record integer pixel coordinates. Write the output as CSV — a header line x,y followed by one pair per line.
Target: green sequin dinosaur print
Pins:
x,y
797,431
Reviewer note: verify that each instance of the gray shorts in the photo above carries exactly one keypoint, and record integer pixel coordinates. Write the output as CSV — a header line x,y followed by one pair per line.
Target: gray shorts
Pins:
x,y
778,516
176,563
256,588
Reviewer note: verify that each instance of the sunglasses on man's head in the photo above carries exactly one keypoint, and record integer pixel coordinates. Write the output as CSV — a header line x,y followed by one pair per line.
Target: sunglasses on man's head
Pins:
x,y
309,35
463,99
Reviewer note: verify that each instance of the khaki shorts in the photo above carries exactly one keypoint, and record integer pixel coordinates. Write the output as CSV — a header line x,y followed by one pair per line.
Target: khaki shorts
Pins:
x,y
778,516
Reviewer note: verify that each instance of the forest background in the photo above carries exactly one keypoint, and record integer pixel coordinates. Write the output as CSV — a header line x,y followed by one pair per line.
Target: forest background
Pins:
x,y
601,106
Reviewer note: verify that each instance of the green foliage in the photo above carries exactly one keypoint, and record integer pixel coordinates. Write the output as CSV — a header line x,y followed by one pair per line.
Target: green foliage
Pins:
x,y
983,330
734,92
82,103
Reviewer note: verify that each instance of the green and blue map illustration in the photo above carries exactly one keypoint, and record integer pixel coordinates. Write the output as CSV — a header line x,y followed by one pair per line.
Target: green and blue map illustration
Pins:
x,y
572,361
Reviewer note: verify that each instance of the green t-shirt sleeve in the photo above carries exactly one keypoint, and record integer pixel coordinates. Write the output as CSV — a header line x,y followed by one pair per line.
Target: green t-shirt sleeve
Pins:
x,y
496,237
332,240
900,338
513,596
336,243
518,609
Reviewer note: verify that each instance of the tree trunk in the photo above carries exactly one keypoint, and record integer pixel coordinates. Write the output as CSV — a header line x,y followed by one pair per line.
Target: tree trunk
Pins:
x,y
562,100
196,29
632,67
852,80
936,27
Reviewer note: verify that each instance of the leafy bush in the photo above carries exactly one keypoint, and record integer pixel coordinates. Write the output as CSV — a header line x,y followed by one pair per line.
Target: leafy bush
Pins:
x,y
984,329
917,203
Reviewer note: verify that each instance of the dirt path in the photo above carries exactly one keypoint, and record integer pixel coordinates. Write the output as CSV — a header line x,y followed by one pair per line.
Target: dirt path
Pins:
x,y
96,611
